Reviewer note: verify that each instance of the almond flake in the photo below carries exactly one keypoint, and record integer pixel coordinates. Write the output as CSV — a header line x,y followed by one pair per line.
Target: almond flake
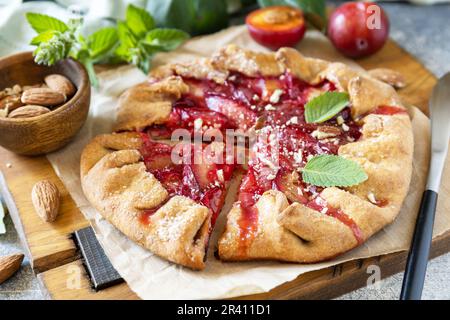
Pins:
x,y
275,97
271,176
322,135
294,120
220,175
324,210
339,120
298,156
371,197
345,127
198,123
270,107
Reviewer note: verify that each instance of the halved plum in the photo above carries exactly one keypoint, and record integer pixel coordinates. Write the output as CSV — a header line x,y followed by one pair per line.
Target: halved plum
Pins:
x,y
276,26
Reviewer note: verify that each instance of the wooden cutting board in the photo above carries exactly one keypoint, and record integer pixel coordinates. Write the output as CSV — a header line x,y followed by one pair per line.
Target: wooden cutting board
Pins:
x,y
55,259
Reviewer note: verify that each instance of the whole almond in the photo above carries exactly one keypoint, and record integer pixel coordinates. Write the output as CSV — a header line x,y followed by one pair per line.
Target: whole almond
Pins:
x,y
28,111
46,198
43,97
60,84
9,265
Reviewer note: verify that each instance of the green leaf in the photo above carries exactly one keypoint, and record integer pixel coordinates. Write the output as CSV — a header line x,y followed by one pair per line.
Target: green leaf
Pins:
x,y
164,39
43,37
42,22
127,38
325,106
193,16
332,171
139,21
102,41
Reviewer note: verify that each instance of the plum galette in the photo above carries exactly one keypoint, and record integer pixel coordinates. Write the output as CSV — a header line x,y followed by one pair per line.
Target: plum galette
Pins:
x,y
328,158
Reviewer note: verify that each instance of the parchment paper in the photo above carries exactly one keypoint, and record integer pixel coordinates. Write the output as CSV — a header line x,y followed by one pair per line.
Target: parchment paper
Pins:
x,y
154,278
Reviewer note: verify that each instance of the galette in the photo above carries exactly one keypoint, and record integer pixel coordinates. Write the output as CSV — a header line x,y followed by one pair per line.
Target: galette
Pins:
x,y
325,158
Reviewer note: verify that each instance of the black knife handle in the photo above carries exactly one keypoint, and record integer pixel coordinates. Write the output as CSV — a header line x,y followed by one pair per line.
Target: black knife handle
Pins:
x,y
416,265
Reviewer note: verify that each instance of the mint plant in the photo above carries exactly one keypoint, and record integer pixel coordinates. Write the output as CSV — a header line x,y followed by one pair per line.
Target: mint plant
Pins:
x,y
134,40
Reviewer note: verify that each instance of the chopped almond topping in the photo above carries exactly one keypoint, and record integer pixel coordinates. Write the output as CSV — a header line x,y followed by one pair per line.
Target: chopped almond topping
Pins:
x,y
270,107
371,197
345,127
275,97
198,123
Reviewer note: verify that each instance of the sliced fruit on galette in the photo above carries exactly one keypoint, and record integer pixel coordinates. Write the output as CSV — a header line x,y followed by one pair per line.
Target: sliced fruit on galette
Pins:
x,y
329,163
155,194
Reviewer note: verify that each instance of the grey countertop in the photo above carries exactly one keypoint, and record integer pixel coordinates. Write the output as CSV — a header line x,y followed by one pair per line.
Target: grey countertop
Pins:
x,y
423,31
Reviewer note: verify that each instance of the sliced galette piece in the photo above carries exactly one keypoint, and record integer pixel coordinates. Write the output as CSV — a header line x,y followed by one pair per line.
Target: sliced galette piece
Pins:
x,y
155,194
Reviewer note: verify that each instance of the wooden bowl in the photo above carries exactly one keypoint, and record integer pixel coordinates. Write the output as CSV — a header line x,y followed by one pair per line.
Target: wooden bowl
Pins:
x,y
50,131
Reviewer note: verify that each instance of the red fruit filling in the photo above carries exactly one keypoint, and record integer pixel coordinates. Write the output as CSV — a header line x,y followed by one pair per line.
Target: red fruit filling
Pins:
x,y
204,183
282,147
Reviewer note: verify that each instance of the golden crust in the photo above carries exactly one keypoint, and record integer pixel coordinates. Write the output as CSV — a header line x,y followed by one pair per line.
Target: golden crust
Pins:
x,y
116,182
148,103
285,232
291,233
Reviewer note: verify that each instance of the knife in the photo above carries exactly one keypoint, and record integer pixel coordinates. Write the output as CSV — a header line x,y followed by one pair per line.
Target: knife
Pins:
x,y
416,264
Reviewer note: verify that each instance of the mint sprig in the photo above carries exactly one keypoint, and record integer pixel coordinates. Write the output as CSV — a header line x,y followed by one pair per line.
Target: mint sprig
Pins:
x,y
140,40
135,40
332,171
325,106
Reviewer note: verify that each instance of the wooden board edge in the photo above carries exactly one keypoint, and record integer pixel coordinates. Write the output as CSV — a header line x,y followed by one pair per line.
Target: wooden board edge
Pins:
x,y
326,283
346,277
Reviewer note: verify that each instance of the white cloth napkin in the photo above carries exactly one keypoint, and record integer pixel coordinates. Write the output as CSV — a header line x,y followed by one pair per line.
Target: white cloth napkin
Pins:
x,y
15,33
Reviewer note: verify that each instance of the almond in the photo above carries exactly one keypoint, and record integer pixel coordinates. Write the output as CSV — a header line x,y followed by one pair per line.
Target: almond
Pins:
x,y
43,97
45,197
28,111
60,84
11,102
9,265
394,78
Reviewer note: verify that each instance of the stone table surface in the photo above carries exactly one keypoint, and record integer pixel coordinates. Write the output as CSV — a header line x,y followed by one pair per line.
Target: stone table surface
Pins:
x,y
421,30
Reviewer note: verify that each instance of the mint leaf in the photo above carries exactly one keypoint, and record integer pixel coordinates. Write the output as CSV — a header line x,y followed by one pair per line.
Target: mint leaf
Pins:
x,y
325,106
165,39
43,37
139,20
102,41
332,171
42,22
127,38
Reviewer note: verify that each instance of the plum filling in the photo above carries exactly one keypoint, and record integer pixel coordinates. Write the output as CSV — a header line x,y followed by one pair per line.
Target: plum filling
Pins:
x,y
388,110
281,150
204,183
282,147
235,104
